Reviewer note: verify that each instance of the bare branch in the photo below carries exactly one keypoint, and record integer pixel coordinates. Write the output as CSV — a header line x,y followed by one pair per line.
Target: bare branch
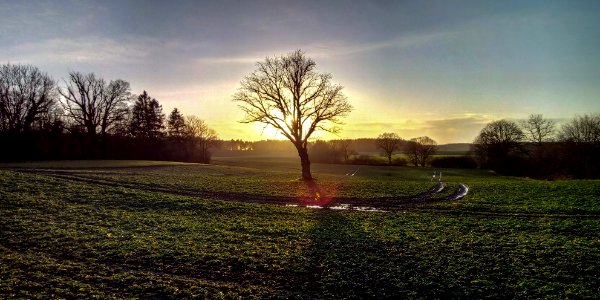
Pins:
x,y
289,95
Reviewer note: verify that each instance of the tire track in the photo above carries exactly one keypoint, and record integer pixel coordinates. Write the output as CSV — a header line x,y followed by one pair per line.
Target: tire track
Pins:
x,y
376,203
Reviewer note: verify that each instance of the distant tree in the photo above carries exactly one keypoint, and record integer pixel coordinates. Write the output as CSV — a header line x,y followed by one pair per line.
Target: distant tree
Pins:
x,y
175,124
94,105
200,137
496,141
389,143
342,148
26,96
582,129
120,127
237,145
289,95
147,117
420,149
581,141
114,110
537,129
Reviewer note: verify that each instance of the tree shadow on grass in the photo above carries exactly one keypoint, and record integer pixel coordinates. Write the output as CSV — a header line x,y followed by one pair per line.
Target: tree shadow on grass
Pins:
x,y
342,262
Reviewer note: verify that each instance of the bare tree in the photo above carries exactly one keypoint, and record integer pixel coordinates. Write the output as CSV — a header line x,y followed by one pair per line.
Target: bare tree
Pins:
x,y
496,140
420,149
582,129
343,148
537,129
289,95
26,95
581,140
201,137
389,143
114,109
93,104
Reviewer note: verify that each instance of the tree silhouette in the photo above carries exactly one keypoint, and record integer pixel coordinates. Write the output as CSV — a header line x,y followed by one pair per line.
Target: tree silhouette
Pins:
x,y
175,124
420,149
201,138
537,129
147,117
582,130
94,105
581,139
389,142
289,95
496,140
26,95
342,147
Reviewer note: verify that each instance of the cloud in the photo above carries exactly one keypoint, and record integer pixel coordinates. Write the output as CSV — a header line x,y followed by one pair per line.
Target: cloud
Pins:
x,y
332,49
335,49
227,60
79,50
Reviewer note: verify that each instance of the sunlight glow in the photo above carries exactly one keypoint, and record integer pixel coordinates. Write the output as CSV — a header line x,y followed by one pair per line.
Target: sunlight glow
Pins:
x,y
268,132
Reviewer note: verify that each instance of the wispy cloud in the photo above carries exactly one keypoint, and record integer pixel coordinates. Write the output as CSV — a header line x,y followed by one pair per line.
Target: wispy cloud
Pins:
x,y
227,60
81,50
334,49
342,48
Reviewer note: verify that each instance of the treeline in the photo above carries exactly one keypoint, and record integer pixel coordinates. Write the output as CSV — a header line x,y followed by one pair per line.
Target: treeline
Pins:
x,y
537,148
364,151
90,118
285,148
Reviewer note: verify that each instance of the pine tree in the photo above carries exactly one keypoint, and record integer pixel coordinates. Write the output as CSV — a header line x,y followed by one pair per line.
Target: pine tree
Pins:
x,y
176,124
147,117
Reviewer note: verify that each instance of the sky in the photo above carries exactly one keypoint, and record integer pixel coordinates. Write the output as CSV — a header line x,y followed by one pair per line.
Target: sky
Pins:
x,y
438,68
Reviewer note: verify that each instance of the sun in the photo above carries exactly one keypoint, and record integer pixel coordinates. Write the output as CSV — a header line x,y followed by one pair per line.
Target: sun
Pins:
x,y
269,132
289,120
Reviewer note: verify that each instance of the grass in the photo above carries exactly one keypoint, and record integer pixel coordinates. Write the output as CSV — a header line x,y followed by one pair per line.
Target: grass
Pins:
x,y
509,238
90,164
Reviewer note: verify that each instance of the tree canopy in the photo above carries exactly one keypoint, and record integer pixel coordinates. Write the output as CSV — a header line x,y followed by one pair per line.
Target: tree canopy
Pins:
x,y
288,94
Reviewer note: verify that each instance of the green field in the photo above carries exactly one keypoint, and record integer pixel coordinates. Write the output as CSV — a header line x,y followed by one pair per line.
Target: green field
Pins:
x,y
134,229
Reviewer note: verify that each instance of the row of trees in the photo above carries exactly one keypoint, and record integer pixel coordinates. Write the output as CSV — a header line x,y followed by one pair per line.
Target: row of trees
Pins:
x,y
91,118
419,150
536,147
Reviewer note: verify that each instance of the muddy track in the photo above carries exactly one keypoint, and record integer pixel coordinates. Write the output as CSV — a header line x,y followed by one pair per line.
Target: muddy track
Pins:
x,y
377,203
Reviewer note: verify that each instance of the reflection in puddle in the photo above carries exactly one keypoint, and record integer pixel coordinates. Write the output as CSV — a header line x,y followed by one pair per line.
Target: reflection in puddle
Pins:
x,y
341,207
357,208
462,192
314,206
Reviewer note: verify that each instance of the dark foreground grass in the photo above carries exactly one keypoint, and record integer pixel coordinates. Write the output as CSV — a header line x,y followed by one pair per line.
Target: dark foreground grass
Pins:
x,y
510,238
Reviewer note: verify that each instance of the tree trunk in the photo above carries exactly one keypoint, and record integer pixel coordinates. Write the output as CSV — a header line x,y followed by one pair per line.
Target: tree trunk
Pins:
x,y
389,159
305,162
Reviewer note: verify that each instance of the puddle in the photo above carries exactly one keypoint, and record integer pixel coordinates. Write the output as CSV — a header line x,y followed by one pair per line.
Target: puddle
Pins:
x,y
438,188
357,208
314,206
464,189
340,207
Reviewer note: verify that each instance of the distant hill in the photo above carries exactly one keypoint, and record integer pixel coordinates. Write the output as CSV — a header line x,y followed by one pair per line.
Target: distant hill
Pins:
x,y
454,148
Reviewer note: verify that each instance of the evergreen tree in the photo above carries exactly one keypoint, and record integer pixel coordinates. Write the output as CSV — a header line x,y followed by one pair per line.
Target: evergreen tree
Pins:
x,y
147,117
176,124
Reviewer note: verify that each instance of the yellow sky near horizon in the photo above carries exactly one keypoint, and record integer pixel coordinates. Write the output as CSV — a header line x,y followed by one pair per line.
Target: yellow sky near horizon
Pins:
x,y
415,68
